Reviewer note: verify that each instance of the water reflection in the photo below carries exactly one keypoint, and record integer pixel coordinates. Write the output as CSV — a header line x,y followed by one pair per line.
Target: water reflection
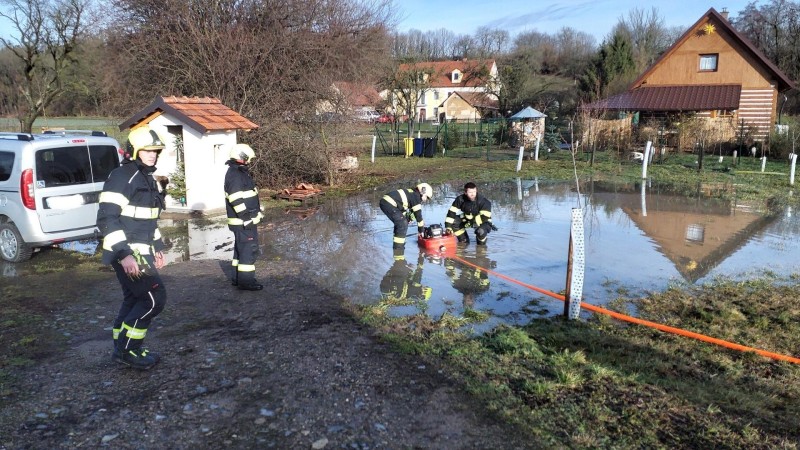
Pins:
x,y
638,237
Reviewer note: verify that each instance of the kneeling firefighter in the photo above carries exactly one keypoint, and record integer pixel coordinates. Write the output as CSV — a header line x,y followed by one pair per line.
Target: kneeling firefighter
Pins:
x,y
468,210
400,205
244,213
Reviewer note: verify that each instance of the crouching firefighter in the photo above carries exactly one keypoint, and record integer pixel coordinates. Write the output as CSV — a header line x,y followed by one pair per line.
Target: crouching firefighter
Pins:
x,y
127,218
400,205
244,214
469,210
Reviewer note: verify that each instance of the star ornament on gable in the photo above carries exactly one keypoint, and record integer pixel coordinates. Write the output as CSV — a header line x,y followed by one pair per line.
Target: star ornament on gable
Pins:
x,y
709,29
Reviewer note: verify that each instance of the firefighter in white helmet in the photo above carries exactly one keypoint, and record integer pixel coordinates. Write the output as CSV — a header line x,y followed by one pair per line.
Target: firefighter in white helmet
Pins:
x,y
128,220
400,205
244,213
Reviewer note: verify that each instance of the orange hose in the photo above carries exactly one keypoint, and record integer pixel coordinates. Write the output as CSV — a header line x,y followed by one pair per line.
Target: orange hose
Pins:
x,y
626,318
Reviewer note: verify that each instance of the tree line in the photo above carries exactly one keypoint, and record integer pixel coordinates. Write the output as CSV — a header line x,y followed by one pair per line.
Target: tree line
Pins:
x,y
275,61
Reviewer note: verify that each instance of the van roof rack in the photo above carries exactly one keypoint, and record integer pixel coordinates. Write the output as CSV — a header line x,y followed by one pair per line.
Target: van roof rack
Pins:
x,y
17,136
66,132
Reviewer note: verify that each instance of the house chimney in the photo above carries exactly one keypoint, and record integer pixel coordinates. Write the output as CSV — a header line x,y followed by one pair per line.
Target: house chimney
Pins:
x,y
724,13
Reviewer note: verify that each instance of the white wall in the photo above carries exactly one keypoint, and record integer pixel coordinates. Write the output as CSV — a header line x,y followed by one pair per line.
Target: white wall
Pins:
x,y
204,162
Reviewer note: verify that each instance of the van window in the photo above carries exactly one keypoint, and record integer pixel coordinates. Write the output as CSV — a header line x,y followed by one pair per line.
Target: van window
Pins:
x,y
105,158
74,165
63,166
6,164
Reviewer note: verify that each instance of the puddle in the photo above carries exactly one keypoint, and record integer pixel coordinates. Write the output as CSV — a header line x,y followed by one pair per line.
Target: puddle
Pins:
x,y
637,238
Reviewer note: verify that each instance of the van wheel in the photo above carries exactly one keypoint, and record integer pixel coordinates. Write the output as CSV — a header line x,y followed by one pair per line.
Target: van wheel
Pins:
x,y
12,247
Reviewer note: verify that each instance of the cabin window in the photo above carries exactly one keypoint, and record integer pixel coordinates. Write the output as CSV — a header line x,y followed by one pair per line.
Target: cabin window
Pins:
x,y
708,63
722,113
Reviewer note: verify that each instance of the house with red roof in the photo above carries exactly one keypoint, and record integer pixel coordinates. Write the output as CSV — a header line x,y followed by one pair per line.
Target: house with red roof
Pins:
x,y
207,130
472,80
713,72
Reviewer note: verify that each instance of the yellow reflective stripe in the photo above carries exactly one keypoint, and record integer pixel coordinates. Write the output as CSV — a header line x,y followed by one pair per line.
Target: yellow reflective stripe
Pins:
x,y
134,333
460,231
139,212
235,262
144,249
416,208
404,198
486,213
157,235
115,332
478,221
390,200
455,210
246,268
114,197
235,221
420,224
242,194
399,240
113,239
449,220
240,207
400,257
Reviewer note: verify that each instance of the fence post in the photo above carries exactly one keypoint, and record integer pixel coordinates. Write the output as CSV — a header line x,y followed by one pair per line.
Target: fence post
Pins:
x,y
645,159
575,267
791,171
519,189
536,154
763,163
374,138
519,159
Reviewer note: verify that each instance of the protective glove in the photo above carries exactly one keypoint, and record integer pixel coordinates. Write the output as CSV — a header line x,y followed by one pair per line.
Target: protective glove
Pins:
x,y
249,225
494,228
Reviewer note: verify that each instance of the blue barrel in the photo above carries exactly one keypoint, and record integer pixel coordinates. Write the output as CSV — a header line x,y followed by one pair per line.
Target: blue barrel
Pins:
x,y
418,146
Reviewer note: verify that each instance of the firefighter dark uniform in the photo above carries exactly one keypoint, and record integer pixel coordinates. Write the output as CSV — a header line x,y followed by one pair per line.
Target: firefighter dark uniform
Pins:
x,y
244,213
127,217
468,280
402,282
465,213
400,205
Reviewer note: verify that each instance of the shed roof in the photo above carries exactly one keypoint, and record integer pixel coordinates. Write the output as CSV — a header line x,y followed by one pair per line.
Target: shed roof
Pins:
x,y
478,100
702,97
204,114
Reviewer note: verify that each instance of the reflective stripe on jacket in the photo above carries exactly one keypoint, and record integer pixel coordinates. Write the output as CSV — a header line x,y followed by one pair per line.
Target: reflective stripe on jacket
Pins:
x,y
407,200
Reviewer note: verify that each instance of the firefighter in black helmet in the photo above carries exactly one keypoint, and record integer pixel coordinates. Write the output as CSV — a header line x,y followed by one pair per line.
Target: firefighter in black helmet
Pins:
x,y
127,218
400,205
244,214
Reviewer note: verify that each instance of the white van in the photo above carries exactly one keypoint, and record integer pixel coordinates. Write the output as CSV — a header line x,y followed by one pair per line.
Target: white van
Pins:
x,y
50,184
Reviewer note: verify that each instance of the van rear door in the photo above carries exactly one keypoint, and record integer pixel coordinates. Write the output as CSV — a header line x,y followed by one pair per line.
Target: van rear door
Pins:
x,y
68,183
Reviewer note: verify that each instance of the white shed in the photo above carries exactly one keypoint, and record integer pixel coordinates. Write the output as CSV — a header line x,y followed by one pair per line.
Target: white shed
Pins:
x,y
207,129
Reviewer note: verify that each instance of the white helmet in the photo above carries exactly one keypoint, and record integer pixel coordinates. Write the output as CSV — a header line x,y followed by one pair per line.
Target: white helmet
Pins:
x,y
243,153
425,190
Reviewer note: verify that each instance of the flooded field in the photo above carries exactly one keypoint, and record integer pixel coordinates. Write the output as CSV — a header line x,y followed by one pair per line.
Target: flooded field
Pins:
x,y
637,238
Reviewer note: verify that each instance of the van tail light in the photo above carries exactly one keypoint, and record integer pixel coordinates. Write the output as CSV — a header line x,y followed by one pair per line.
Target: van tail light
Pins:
x,y
26,189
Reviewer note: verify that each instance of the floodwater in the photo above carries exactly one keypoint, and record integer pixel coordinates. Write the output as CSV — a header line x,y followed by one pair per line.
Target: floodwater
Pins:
x,y
637,238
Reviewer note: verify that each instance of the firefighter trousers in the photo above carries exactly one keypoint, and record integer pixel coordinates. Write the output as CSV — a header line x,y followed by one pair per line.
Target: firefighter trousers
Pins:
x,y
400,223
245,253
144,298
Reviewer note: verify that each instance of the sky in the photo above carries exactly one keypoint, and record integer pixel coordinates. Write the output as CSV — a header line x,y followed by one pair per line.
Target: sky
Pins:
x,y
596,17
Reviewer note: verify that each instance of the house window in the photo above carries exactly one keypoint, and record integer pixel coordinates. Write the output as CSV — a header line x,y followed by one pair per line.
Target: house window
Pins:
x,y
456,76
436,95
708,63
722,113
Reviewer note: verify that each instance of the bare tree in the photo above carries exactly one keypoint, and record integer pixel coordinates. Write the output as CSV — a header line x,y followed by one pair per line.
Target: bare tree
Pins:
x,y
47,33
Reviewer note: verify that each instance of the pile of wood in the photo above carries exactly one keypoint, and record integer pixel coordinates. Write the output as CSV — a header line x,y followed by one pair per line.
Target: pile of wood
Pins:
x,y
302,193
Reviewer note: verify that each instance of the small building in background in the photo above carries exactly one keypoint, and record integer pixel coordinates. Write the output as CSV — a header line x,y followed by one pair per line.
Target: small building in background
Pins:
x,y
467,106
199,133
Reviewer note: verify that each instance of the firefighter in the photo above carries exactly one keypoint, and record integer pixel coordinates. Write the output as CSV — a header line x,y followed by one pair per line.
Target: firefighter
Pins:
x,y
468,280
127,218
469,210
244,214
400,205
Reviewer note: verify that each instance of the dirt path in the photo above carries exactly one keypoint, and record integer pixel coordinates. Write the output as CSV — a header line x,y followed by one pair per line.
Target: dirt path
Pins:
x,y
287,367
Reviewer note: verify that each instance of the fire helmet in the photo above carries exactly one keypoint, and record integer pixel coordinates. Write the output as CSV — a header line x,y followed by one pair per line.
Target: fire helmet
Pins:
x,y
425,190
243,153
144,138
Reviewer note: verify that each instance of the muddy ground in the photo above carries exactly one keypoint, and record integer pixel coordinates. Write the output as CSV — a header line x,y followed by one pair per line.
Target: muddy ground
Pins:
x,y
287,367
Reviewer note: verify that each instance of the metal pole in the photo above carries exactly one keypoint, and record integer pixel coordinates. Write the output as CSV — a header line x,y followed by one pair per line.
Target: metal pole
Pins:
x,y
374,138
791,171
